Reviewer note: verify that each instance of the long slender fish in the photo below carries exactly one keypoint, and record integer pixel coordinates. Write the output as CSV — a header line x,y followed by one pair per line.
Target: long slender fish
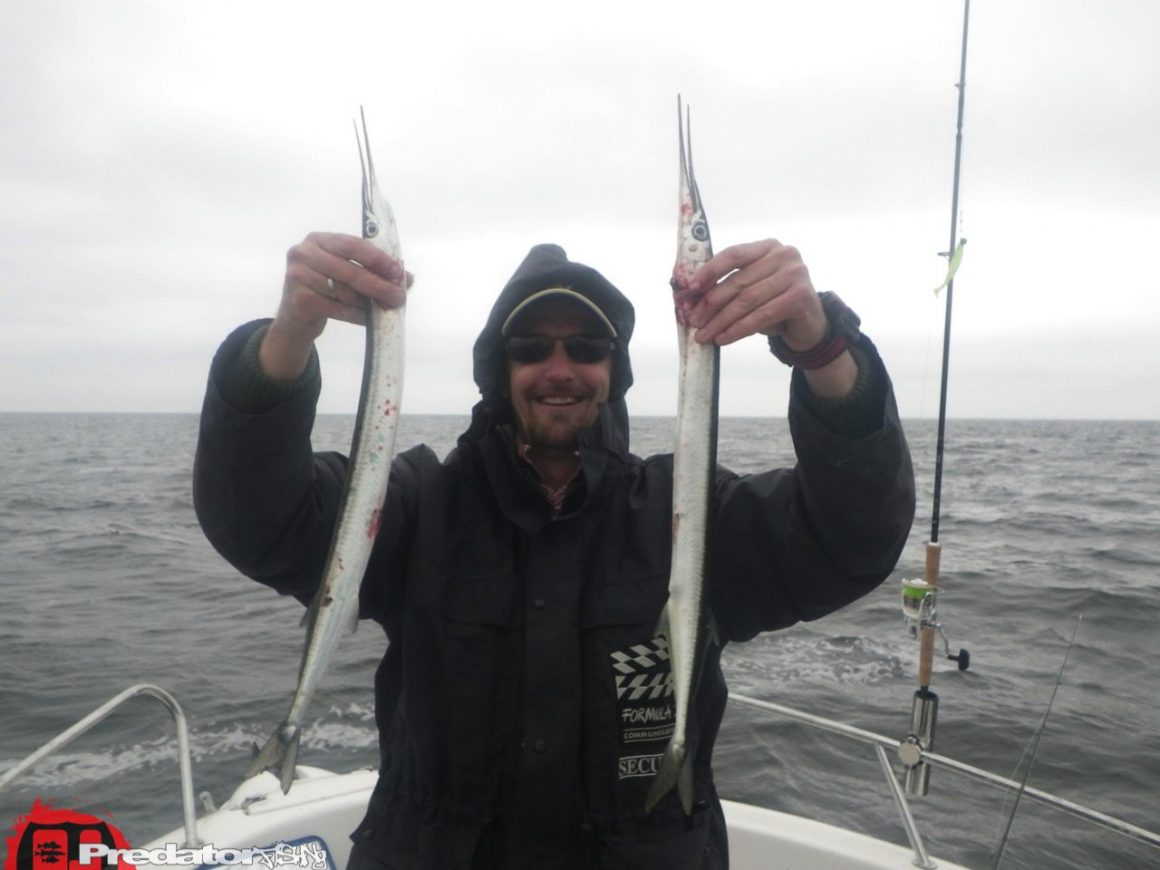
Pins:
x,y
335,608
694,460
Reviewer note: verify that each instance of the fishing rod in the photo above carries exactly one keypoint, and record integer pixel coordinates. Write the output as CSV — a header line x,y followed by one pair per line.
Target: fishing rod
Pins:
x,y
919,596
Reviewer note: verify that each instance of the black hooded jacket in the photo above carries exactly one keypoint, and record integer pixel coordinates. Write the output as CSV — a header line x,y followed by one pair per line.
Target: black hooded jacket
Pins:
x,y
523,699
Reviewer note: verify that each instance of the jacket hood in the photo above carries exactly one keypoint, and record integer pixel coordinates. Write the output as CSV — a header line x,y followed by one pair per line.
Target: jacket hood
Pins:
x,y
548,266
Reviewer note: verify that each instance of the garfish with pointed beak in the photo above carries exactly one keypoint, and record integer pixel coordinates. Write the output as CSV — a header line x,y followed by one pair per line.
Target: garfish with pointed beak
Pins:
x,y
335,607
683,620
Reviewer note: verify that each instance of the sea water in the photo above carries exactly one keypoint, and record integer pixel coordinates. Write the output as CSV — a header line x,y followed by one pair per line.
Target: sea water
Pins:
x,y
107,581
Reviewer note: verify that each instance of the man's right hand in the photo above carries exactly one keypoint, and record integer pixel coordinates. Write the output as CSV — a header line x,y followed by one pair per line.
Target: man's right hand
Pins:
x,y
328,275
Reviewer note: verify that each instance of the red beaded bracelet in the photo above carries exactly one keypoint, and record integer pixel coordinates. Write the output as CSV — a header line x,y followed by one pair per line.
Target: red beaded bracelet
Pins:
x,y
841,332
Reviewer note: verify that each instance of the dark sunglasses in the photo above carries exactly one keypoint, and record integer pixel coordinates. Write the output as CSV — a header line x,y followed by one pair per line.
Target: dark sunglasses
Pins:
x,y
526,349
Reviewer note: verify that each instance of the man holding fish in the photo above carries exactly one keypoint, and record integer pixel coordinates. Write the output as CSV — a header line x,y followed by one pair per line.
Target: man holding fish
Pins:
x,y
525,697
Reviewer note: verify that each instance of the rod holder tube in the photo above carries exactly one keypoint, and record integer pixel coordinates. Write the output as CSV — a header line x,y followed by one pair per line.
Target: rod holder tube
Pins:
x,y
923,719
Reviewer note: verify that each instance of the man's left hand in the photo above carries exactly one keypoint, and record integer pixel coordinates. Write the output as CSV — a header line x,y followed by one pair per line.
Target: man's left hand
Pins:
x,y
761,287
764,287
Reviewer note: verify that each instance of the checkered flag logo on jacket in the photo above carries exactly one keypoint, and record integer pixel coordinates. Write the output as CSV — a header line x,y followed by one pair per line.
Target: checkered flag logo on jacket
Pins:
x,y
643,672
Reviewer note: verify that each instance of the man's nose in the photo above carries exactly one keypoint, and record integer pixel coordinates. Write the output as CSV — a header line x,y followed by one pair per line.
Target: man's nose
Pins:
x,y
559,364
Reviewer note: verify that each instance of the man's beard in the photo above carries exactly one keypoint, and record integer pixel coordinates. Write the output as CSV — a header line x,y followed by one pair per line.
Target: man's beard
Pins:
x,y
554,437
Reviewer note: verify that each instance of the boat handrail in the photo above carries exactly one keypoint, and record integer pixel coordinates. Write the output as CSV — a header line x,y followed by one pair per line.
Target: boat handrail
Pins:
x,y
880,742
1119,826
921,858
184,763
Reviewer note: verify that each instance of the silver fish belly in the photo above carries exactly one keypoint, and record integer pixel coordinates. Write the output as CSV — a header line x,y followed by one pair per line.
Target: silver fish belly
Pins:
x,y
334,610
694,461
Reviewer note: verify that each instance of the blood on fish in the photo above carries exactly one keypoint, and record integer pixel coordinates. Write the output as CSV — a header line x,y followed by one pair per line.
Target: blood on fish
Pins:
x,y
373,526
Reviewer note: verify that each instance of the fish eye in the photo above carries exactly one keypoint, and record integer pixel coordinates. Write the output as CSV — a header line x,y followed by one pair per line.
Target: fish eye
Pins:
x,y
372,229
700,231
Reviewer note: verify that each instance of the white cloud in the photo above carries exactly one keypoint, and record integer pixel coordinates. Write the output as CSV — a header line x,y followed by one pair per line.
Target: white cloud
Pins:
x,y
160,159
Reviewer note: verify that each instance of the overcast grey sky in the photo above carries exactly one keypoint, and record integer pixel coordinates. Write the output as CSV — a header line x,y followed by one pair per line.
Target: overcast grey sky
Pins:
x,y
160,157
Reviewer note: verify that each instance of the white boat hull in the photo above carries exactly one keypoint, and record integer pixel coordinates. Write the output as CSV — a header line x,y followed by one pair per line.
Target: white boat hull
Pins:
x,y
322,808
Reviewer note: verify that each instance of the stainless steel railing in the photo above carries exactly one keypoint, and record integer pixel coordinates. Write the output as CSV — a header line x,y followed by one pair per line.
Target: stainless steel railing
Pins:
x,y
184,763
888,743
880,742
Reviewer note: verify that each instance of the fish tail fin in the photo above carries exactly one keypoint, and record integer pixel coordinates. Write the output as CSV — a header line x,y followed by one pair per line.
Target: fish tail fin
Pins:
x,y
685,785
674,771
289,763
279,755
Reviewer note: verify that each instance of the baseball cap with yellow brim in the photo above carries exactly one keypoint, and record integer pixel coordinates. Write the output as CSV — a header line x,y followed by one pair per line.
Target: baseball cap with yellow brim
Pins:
x,y
557,293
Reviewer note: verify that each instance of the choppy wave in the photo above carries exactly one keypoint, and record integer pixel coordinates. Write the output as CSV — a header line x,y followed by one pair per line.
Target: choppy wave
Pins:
x,y
69,769
108,582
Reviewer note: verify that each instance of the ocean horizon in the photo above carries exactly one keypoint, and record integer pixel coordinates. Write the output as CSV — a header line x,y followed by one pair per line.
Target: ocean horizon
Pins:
x,y
109,582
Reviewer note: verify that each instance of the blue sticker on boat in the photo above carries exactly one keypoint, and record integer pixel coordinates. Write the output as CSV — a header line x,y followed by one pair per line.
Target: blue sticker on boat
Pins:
x,y
305,853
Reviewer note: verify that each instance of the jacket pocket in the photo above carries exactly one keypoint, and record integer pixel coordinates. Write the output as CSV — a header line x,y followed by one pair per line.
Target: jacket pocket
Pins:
x,y
455,669
628,689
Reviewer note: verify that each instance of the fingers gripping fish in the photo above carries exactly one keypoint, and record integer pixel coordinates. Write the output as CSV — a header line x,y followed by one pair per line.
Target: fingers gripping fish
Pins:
x,y
335,607
694,460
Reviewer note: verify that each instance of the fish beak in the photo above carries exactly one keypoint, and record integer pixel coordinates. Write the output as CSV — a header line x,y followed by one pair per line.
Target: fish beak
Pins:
x,y
370,188
688,179
694,247
378,221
